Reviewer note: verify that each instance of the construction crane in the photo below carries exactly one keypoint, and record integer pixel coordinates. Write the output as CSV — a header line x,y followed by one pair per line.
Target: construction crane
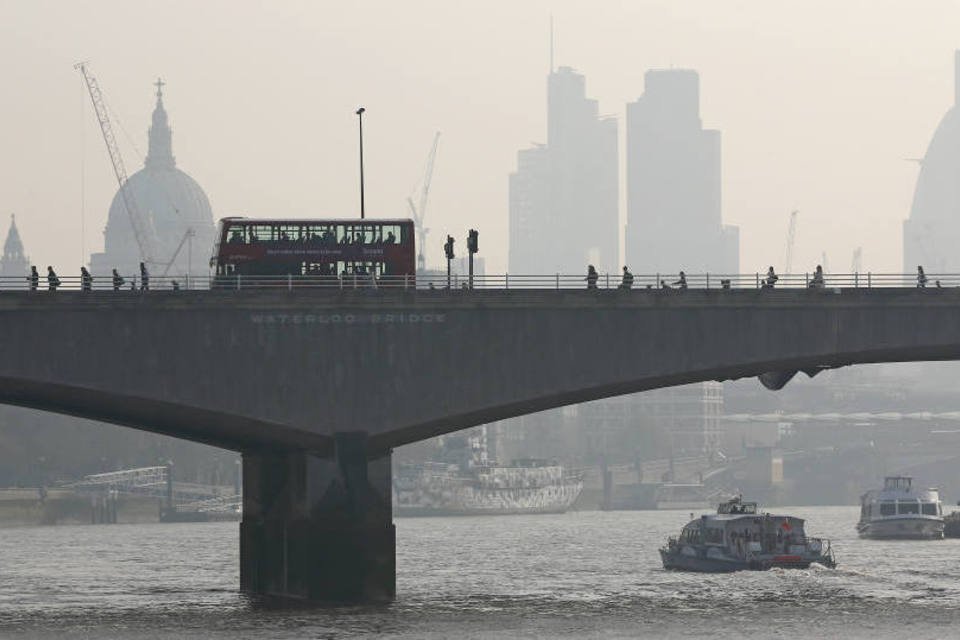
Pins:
x,y
856,265
140,228
420,209
791,237
188,240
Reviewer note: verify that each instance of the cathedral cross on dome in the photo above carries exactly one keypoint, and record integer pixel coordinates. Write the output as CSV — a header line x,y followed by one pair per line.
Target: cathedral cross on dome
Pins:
x,y
159,85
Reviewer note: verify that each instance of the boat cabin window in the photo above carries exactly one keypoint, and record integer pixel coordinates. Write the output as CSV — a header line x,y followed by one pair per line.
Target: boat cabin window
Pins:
x,y
930,508
714,536
908,506
897,483
691,535
888,508
735,507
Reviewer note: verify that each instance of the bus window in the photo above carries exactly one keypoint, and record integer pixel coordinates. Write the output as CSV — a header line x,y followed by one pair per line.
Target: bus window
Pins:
x,y
235,234
327,234
391,233
259,233
290,232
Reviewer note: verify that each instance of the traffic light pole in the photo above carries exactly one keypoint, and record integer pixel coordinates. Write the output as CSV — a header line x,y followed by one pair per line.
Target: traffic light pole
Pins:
x,y
473,245
448,251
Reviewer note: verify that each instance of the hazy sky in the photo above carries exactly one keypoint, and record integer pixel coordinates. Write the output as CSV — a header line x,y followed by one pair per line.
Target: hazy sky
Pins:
x,y
819,104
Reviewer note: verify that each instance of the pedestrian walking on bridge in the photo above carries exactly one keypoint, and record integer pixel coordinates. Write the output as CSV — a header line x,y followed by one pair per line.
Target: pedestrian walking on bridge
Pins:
x,y
144,277
682,282
117,280
33,278
921,278
52,280
86,280
627,283
592,276
771,279
817,282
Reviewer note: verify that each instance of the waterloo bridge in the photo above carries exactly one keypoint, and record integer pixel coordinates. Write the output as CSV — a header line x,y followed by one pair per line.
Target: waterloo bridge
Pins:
x,y
315,385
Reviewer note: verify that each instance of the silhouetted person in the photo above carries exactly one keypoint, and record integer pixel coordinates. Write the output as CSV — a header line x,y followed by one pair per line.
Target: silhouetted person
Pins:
x,y
627,283
176,285
725,283
921,278
682,282
391,238
117,280
33,278
771,279
938,284
817,281
592,276
86,280
52,280
144,277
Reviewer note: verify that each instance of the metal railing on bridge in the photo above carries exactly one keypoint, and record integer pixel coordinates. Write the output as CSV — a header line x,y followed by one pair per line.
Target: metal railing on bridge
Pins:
x,y
557,281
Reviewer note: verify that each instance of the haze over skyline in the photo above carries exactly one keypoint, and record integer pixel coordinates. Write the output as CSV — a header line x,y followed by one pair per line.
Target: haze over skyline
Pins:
x,y
819,106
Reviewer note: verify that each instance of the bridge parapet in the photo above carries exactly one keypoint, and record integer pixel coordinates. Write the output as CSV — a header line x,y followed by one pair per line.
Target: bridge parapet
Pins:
x,y
507,281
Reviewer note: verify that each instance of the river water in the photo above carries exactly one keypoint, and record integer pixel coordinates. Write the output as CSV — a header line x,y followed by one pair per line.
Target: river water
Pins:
x,y
577,575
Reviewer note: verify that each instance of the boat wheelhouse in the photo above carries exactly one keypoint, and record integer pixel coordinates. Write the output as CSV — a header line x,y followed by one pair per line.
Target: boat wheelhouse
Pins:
x,y
741,537
901,511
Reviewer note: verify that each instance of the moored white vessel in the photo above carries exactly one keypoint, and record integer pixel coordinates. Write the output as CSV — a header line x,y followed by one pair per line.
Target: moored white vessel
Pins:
x,y
900,511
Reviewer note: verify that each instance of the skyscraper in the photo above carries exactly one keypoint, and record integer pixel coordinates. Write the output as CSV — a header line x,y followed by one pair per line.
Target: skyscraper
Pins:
x,y
563,196
673,182
175,209
931,235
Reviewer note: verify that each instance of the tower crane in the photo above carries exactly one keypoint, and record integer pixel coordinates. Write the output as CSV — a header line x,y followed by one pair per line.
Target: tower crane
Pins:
x,y
420,209
140,227
856,265
791,237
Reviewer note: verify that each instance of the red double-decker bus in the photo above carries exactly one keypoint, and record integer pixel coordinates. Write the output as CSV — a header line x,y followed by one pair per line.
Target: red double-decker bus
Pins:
x,y
271,247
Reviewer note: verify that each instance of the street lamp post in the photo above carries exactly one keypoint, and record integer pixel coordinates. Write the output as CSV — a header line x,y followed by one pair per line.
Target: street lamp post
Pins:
x,y
360,116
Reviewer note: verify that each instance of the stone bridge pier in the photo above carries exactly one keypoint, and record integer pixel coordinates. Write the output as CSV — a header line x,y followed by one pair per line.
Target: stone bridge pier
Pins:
x,y
319,528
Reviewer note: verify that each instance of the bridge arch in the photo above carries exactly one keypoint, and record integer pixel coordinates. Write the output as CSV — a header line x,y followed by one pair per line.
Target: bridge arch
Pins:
x,y
237,433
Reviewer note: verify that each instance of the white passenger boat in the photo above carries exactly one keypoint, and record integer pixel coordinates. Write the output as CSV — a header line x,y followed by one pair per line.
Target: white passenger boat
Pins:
x,y
740,537
900,511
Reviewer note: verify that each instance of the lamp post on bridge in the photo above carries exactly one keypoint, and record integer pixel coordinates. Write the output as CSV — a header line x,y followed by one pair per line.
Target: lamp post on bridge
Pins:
x,y
360,117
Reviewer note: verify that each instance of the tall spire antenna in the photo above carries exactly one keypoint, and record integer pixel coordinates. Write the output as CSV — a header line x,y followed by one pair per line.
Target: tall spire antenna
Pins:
x,y
551,43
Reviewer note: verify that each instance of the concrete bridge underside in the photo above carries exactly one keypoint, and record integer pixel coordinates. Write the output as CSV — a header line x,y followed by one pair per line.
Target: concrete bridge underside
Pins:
x,y
315,388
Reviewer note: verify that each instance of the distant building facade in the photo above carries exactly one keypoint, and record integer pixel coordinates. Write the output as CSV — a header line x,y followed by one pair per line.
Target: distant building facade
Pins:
x,y
176,212
674,218
931,235
14,263
564,194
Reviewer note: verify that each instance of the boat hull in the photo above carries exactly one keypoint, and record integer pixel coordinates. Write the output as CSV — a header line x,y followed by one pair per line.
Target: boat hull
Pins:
x,y
677,561
456,496
902,529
